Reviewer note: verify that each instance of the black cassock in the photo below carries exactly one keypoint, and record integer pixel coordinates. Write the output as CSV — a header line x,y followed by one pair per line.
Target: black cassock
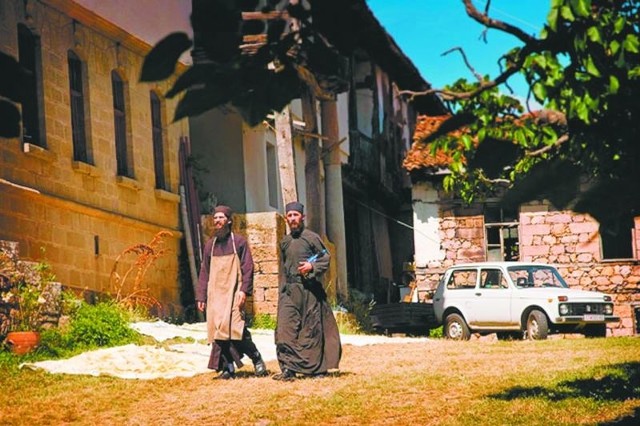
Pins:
x,y
307,336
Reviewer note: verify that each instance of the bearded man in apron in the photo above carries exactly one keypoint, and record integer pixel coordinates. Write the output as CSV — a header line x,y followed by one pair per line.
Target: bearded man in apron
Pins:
x,y
226,279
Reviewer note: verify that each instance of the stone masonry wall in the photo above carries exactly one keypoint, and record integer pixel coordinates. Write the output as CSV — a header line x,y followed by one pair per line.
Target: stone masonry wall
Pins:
x,y
82,214
571,242
462,240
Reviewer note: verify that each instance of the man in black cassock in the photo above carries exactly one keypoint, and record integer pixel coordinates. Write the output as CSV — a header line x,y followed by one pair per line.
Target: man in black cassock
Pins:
x,y
307,336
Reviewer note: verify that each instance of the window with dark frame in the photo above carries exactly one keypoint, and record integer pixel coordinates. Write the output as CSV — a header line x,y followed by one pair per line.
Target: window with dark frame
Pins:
x,y
120,124
617,241
28,49
76,95
158,146
501,233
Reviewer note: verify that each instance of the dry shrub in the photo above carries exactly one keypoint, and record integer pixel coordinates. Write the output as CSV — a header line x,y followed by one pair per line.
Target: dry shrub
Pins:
x,y
129,288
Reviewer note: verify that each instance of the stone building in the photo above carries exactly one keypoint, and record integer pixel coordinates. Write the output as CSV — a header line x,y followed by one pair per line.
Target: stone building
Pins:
x,y
448,232
95,170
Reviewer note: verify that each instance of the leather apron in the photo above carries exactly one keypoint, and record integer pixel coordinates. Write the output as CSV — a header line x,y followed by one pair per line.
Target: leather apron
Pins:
x,y
225,320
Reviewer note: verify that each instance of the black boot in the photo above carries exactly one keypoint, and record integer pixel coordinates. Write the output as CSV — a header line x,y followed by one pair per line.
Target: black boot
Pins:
x,y
259,365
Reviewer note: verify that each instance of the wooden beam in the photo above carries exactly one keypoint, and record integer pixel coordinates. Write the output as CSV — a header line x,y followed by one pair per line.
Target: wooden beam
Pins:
x,y
286,166
261,16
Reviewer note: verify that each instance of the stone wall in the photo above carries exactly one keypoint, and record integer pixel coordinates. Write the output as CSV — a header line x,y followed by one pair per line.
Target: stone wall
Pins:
x,y
81,213
462,241
571,242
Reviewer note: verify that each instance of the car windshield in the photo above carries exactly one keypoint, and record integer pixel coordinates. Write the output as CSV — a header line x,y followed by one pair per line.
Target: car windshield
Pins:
x,y
536,276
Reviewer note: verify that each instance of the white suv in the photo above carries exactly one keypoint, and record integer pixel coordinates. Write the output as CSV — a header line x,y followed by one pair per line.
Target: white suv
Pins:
x,y
515,300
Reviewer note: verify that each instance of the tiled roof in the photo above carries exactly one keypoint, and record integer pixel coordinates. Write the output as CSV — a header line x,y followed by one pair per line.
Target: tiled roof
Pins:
x,y
419,155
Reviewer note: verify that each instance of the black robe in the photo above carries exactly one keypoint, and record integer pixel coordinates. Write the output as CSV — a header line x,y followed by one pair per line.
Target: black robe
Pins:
x,y
307,336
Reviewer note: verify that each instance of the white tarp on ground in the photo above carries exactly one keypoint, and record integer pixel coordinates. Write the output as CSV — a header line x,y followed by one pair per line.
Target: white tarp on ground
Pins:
x,y
178,360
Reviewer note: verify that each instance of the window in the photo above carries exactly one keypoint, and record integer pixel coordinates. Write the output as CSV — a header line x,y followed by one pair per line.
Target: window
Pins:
x,y
272,176
76,96
158,145
501,234
463,279
492,279
28,56
120,125
617,240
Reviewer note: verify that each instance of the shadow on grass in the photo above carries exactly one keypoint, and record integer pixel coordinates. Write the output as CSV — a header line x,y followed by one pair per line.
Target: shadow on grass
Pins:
x,y
621,382
631,420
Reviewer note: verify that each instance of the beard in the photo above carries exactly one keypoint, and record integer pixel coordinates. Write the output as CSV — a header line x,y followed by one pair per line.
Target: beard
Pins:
x,y
222,233
295,232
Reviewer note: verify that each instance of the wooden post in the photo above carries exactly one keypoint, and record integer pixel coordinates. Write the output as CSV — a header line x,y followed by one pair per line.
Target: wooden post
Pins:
x,y
333,194
285,156
314,211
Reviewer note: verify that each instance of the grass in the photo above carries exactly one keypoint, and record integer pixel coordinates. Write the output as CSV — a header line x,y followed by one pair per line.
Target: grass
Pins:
x,y
487,382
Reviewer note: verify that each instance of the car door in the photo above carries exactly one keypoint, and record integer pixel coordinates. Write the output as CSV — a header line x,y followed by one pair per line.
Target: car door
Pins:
x,y
459,292
491,304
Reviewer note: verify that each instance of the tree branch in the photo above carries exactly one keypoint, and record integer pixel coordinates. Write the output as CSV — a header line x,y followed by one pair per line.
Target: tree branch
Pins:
x,y
485,20
562,139
466,61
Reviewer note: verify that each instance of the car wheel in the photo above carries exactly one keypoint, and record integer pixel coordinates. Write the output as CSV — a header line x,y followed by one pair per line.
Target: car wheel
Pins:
x,y
537,325
595,330
455,328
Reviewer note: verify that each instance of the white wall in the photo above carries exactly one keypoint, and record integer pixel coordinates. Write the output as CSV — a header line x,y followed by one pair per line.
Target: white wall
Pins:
x,y
255,167
426,224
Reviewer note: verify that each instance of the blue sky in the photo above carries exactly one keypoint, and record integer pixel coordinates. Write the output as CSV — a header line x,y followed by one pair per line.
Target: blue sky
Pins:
x,y
424,29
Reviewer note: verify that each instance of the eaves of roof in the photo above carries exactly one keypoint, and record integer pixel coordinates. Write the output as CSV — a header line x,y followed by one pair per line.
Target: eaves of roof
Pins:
x,y
350,25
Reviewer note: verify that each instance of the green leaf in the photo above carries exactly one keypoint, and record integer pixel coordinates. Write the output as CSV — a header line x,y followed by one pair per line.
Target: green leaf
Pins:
x,y
594,34
539,91
614,46
614,84
198,74
619,25
631,43
581,7
567,14
552,19
591,67
466,142
160,63
581,111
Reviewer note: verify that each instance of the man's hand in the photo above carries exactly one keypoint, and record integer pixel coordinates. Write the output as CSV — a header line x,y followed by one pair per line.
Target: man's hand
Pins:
x,y
240,299
201,306
304,268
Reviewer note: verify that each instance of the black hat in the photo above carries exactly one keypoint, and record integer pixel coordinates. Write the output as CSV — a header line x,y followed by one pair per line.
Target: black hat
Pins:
x,y
294,205
226,210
